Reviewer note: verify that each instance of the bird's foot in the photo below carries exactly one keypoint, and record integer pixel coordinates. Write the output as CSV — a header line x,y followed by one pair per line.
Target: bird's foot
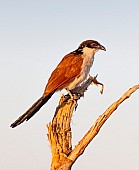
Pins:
x,y
73,95
95,82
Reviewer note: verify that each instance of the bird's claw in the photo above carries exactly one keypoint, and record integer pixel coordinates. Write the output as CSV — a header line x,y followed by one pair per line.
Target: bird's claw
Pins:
x,y
96,82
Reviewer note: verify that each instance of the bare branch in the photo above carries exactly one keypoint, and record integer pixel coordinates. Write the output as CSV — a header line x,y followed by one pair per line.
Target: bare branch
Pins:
x,y
93,131
59,131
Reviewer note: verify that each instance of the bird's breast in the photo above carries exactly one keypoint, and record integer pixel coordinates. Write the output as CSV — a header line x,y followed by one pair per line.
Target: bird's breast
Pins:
x,y
85,69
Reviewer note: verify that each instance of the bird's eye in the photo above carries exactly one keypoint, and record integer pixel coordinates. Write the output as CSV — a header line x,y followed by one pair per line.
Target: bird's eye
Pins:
x,y
94,45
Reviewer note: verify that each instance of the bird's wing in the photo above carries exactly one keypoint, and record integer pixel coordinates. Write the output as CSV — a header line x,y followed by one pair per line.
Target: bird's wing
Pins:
x,y
68,69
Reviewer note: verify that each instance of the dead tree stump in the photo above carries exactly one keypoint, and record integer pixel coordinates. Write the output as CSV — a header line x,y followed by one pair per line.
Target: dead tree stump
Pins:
x,y
59,131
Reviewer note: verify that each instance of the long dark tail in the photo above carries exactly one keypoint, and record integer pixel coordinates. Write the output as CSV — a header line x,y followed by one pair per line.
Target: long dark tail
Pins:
x,y
31,111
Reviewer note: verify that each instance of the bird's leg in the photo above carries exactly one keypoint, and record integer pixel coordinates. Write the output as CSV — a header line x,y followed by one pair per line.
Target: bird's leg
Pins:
x,y
70,94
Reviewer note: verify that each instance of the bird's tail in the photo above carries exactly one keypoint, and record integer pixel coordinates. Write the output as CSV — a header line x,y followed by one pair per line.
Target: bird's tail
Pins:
x,y
32,110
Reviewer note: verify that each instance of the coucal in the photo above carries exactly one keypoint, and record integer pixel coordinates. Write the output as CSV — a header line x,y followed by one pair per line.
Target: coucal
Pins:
x,y
70,73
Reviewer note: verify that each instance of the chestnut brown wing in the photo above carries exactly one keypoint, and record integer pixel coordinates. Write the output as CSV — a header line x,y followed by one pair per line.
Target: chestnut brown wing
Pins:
x,y
66,71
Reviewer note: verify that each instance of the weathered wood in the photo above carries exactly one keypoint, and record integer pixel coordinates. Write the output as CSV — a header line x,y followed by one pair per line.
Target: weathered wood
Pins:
x,y
59,131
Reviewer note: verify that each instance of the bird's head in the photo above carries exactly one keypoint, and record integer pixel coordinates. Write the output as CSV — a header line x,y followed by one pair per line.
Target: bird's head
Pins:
x,y
90,46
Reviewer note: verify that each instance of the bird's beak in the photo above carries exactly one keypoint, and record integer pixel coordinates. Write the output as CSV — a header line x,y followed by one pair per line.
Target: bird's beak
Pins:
x,y
102,48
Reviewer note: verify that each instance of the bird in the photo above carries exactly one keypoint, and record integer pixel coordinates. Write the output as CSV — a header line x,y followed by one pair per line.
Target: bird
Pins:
x,y
71,72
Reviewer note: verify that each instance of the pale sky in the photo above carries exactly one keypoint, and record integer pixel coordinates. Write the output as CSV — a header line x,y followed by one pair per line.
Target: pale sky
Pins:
x,y
34,36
